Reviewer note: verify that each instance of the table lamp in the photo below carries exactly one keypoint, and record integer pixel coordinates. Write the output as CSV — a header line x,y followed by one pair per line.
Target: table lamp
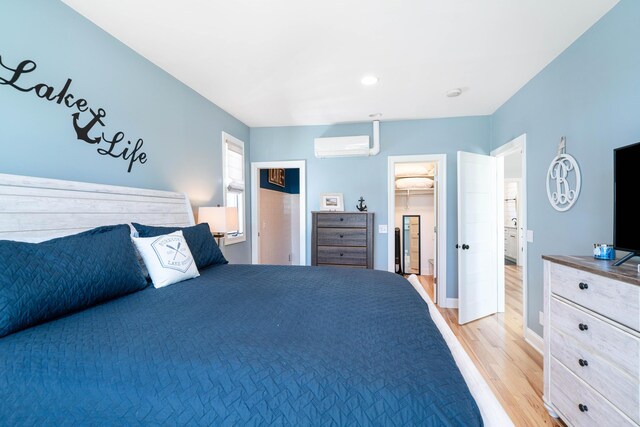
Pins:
x,y
221,220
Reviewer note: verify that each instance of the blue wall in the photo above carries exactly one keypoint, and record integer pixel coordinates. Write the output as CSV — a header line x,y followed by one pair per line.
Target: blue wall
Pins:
x,y
367,176
181,130
591,95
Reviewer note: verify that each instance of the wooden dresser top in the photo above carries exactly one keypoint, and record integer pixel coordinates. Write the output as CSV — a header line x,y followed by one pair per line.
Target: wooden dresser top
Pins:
x,y
627,272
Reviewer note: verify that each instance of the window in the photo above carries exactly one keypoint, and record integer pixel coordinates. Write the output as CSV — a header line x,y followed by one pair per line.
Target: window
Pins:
x,y
233,183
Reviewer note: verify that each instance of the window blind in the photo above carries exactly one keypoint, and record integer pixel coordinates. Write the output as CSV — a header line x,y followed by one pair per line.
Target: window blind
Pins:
x,y
235,167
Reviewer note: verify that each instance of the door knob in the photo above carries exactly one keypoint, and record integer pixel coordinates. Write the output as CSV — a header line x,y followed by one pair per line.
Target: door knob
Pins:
x,y
465,246
457,246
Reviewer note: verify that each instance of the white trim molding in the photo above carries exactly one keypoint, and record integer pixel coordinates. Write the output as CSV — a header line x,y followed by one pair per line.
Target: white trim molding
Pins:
x,y
534,340
452,303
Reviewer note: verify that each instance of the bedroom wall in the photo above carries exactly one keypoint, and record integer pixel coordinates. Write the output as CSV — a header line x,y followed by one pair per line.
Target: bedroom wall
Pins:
x,y
181,130
367,176
591,95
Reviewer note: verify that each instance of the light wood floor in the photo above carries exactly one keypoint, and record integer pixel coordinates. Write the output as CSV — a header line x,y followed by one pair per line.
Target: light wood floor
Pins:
x,y
511,367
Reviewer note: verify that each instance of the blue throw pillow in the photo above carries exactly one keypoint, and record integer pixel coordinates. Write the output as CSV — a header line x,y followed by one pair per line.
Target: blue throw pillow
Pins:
x,y
42,281
201,243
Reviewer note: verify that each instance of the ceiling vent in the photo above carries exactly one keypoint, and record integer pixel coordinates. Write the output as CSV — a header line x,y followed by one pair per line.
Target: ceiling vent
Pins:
x,y
348,146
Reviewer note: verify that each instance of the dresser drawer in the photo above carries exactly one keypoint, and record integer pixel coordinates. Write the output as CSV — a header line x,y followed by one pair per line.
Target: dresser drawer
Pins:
x,y
597,336
349,255
569,394
616,300
600,371
342,220
342,236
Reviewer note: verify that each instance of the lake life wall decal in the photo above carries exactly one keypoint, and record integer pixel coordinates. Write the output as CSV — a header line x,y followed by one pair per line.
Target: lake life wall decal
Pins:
x,y
87,122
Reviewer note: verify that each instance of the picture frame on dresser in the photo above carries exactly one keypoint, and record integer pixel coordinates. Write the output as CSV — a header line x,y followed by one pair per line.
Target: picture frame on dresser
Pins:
x,y
333,202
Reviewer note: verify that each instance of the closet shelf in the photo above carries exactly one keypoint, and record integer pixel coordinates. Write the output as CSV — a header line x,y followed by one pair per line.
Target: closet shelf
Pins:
x,y
414,176
404,191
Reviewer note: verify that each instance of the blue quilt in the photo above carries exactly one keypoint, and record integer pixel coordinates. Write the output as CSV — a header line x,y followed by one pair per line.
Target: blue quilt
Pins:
x,y
241,345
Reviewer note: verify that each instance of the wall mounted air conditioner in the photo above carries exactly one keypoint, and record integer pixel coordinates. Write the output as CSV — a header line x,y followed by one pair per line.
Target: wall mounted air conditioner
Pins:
x,y
348,146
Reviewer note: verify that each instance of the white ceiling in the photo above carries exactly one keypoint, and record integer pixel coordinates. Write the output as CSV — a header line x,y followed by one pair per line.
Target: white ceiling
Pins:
x,y
299,62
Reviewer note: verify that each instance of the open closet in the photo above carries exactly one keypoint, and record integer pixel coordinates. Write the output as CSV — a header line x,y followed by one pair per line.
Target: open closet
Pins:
x,y
415,218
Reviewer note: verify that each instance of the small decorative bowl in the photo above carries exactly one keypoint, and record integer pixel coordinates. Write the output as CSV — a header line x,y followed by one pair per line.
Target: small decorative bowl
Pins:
x,y
603,251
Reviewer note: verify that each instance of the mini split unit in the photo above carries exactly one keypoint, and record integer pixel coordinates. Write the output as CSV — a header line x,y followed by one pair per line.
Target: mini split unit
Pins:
x,y
348,146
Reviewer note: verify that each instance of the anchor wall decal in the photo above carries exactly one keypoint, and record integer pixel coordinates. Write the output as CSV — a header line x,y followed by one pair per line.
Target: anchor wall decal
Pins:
x,y
10,77
83,132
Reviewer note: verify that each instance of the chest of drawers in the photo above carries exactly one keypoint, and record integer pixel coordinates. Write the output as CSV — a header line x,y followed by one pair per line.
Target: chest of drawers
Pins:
x,y
342,239
592,341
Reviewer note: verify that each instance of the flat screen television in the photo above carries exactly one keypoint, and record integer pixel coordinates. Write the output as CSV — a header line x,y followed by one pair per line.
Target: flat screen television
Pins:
x,y
626,220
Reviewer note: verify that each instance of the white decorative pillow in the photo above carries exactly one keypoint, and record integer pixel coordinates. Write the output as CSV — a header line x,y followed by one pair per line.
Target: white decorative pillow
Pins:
x,y
167,258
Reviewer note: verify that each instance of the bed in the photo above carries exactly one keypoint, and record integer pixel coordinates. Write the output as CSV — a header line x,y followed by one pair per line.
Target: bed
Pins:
x,y
238,345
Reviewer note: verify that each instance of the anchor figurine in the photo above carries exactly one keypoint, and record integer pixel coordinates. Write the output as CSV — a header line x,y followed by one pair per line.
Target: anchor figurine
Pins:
x,y
361,207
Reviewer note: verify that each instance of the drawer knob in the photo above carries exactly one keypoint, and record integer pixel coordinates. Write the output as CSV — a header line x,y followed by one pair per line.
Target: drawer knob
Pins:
x,y
583,286
583,327
341,219
583,408
341,254
583,362
341,236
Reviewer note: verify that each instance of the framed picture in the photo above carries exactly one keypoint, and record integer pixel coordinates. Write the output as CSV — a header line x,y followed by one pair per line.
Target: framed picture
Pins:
x,y
276,177
331,202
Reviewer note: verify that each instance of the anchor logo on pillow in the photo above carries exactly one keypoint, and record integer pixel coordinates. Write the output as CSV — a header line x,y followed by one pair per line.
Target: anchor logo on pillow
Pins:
x,y
172,252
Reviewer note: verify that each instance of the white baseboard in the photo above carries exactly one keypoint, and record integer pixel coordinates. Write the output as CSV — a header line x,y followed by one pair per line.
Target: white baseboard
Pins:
x,y
452,303
534,340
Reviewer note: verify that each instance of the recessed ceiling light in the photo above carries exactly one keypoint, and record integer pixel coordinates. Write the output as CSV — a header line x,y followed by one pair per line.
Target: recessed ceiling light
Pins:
x,y
369,80
454,92
375,115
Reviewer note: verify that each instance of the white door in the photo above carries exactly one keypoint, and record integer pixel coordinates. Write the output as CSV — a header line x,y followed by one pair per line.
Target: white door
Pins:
x,y
477,244
436,223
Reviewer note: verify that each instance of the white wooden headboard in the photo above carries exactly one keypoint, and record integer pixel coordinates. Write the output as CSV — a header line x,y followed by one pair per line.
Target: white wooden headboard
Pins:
x,y
36,209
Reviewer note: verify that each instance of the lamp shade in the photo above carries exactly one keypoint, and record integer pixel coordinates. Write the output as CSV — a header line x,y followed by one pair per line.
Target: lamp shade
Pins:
x,y
220,219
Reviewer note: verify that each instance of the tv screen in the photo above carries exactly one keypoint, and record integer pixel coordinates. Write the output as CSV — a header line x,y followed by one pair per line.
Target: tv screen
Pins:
x,y
626,222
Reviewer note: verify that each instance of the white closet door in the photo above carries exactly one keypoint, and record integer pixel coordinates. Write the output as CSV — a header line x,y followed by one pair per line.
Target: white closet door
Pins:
x,y
477,236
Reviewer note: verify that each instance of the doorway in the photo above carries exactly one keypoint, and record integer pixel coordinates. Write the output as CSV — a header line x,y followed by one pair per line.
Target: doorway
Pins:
x,y
278,214
417,186
513,227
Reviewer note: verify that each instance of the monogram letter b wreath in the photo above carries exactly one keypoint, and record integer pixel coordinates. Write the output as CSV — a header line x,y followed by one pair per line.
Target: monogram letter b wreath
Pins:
x,y
563,179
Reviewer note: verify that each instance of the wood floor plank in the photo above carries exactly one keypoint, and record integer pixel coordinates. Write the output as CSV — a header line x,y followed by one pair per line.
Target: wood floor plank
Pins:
x,y
511,367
